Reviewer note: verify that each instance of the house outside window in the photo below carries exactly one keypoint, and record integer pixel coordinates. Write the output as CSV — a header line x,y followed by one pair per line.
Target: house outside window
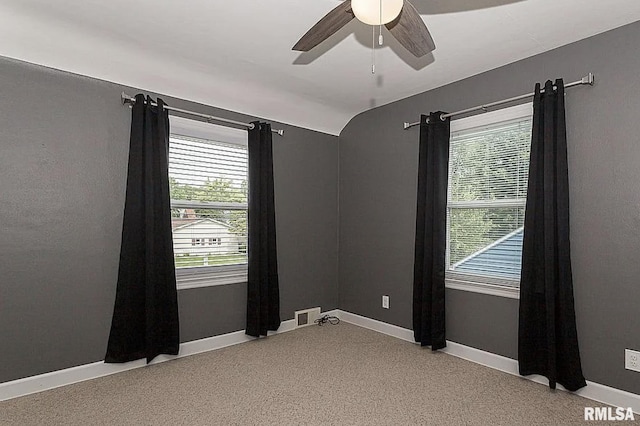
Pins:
x,y
208,183
488,175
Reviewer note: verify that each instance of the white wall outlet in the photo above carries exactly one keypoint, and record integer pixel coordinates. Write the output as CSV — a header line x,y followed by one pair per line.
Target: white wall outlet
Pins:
x,y
385,302
632,360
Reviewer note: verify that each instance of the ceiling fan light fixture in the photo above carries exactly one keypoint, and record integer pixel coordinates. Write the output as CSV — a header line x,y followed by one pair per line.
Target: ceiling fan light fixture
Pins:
x,y
368,11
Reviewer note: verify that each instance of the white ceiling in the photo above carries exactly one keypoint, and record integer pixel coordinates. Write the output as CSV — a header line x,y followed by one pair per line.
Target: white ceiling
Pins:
x,y
236,54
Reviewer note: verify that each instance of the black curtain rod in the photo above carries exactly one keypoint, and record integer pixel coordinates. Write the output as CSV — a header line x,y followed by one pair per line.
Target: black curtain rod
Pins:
x,y
126,99
588,79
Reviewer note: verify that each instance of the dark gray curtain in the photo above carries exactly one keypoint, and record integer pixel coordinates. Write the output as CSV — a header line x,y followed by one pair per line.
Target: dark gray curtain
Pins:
x,y
145,315
547,339
431,235
263,297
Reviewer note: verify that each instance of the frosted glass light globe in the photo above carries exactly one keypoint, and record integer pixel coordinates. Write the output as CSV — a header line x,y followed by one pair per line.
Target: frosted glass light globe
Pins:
x,y
368,11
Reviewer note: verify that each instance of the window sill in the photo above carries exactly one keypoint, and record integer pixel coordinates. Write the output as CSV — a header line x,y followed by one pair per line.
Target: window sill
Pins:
x,y
188,279
483,288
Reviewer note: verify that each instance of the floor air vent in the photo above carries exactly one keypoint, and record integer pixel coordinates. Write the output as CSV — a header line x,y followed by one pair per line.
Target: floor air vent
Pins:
x,y
306,317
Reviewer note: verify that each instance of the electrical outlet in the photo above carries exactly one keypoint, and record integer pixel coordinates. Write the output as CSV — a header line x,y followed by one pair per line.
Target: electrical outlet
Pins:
x,y
632,360
385,302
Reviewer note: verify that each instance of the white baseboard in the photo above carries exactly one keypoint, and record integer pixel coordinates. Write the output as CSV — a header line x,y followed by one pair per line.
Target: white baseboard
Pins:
x,y
54,379
375,325
593,391
68,376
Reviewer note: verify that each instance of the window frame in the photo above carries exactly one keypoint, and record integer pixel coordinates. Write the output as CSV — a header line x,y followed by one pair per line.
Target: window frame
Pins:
x,y
495,286
207,276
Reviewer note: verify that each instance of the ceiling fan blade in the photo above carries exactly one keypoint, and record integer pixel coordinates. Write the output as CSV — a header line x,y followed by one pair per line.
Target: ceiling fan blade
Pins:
x,y
326,27
409,29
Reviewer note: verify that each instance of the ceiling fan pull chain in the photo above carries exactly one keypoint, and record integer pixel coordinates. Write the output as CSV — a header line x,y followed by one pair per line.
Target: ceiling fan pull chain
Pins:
x,y
380,40
373,50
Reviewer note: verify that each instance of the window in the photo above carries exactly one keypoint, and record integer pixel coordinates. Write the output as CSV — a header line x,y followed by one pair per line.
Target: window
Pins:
x,y
213,241
208,183
488,174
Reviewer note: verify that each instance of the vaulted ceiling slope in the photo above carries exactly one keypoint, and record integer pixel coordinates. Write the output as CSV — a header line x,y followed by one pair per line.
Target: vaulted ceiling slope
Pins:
x,y
237,54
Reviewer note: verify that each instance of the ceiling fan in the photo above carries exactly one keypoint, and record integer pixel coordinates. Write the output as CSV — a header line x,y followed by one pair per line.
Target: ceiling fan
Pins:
x,y
400,17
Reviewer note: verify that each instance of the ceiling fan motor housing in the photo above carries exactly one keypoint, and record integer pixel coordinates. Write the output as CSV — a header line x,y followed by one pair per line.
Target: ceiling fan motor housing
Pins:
x,y
368,11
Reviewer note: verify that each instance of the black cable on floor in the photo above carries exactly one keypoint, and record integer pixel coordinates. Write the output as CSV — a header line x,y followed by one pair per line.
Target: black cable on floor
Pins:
x,y
327,319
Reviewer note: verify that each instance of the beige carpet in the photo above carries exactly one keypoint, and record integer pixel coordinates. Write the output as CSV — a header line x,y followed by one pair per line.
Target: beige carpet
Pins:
x,y
334,375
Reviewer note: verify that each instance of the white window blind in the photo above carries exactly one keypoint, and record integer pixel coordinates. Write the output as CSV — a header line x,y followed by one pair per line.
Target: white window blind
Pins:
x,y
488,175
208,188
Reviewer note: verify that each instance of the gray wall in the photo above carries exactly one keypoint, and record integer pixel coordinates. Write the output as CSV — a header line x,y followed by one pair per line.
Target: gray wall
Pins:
x,y
378,180
63,162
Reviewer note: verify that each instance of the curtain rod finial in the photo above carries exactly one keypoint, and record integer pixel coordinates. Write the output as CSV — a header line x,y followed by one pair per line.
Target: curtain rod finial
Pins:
x,y
126,99
588,79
